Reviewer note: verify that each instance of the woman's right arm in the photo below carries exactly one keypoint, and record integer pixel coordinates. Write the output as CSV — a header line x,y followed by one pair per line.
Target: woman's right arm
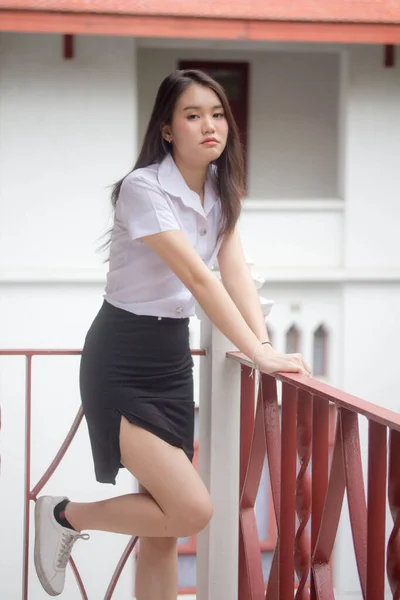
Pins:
x,y
176,251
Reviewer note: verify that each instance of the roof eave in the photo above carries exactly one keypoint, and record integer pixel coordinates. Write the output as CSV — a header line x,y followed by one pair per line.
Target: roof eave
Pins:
x,y
197,28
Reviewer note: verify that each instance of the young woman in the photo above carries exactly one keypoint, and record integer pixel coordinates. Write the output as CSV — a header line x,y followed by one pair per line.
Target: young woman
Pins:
x,y
175,215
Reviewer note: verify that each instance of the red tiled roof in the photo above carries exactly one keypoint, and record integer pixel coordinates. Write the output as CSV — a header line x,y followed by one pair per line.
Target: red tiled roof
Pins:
x,y
361,11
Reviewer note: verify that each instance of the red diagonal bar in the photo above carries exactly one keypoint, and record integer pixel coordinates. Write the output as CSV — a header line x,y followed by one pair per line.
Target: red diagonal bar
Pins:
x,y
247,406
272,438
59,456
252,452
320,463
355,492
323,581
288,498
78,579
377,463
119,568
251,573
256,459
320,466
329,522
273,579
302,555
243,576
393,549
254,575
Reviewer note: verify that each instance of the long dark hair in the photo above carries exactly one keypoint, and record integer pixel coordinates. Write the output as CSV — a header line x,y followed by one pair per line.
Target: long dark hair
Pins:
x,y
230,165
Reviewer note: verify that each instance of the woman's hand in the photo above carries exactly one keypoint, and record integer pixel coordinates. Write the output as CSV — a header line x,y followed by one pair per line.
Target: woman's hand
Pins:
x,y
270,361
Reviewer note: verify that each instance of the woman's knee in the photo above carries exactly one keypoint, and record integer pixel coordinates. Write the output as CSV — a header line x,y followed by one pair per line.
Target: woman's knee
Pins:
x,y
195,516
190,514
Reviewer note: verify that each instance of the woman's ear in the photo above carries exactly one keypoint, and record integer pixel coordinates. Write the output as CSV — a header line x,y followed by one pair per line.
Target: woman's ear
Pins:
x,y
166,133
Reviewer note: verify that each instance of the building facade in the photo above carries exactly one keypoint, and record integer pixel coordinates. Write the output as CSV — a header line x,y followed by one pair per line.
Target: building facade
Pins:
x,y
320,120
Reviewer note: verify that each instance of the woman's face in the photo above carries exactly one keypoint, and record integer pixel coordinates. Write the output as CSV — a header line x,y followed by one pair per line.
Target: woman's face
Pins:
x,y
199,129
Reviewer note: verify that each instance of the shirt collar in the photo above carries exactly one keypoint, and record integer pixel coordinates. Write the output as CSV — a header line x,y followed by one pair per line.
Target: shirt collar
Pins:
x,y
172,181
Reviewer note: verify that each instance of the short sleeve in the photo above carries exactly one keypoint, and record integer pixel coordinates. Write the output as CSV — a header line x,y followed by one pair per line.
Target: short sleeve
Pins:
x,y
143,209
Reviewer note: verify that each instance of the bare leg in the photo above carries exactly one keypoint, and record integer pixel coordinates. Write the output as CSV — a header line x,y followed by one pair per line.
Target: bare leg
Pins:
x,y
157,568
179,505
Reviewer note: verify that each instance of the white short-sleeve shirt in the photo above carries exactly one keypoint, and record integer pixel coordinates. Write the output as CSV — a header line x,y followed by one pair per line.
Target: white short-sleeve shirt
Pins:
x,y
151,200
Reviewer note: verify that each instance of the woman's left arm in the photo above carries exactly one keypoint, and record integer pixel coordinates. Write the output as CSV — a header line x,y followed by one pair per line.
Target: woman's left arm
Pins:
x,y
239,284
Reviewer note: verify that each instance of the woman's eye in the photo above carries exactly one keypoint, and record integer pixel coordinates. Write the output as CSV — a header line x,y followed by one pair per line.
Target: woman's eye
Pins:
x,y
192,117
219,115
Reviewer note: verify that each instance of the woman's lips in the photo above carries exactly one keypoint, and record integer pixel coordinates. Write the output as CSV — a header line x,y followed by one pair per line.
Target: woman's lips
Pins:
x,y
210,142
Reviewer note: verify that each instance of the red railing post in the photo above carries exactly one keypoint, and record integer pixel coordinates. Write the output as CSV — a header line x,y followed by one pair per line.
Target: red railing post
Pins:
x,y
247,418
322,574
28,426
320,457
377,463
251,577
323,495
355,492
120,566
393,549
273,447
302,555
288,493
247,413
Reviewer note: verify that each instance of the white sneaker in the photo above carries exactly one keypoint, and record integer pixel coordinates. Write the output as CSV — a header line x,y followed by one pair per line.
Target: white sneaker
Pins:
x,y
53,545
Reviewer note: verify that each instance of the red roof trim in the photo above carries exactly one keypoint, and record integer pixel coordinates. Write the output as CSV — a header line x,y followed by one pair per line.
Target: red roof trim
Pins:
x,y
359,11
196,28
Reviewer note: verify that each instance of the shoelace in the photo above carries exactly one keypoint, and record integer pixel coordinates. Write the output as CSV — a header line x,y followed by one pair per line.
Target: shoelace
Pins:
x,y
67,542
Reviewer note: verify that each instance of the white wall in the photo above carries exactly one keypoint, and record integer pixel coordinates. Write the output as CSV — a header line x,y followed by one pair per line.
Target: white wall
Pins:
x,y
372,178
287,234
372,218
67,130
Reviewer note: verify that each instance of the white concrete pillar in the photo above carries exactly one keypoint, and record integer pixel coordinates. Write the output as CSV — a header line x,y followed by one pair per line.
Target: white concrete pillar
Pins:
x,y
204,467
219,421
219,439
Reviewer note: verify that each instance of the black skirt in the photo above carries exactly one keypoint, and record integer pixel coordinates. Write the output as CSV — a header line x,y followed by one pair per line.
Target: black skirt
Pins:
x,y
139,367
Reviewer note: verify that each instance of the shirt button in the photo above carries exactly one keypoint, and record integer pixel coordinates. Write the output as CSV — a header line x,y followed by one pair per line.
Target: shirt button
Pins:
x,y
203,231
179,309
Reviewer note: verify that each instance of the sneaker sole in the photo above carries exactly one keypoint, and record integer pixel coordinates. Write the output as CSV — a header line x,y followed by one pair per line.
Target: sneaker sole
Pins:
x,y
39,571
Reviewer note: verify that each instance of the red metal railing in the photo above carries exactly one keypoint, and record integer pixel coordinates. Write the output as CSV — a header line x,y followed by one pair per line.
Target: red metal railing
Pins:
x,y
297,432
32,493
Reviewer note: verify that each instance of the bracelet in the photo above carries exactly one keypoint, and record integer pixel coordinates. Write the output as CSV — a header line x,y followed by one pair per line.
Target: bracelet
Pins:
x,y
256,348
254,353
